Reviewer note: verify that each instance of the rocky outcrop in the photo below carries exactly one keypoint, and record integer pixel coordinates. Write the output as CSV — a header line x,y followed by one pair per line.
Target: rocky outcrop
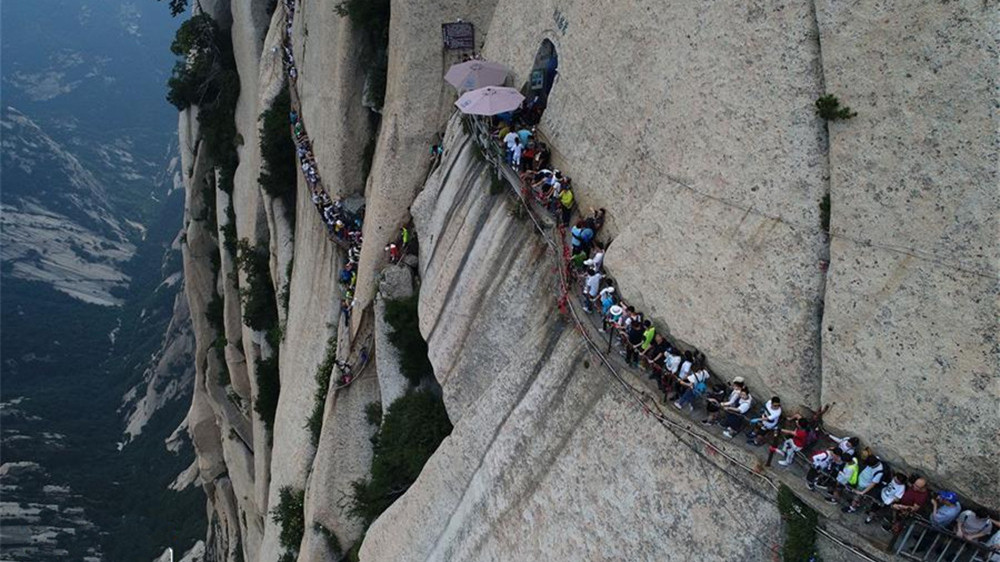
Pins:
x,y
694,126
544,460
417,105
169,375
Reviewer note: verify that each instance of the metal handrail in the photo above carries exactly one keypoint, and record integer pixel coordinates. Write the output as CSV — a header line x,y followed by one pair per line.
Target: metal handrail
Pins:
x,y
936,544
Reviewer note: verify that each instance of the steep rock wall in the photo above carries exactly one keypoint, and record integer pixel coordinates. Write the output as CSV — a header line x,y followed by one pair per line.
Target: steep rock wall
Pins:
x,y
417,105
547,459
910,350
693,124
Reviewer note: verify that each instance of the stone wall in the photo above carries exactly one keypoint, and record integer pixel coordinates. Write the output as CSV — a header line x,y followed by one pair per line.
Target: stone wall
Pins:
x,y
693,125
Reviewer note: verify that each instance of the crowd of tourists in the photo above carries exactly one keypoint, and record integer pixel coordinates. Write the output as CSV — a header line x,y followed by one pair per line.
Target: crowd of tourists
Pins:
x,y
849,474
342,226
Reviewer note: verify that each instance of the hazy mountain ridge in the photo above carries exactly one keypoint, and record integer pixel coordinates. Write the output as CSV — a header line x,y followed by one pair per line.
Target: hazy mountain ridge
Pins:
x,y
90,277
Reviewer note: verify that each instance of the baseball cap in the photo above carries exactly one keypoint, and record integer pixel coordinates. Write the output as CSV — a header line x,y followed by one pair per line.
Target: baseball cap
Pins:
x,y
950,497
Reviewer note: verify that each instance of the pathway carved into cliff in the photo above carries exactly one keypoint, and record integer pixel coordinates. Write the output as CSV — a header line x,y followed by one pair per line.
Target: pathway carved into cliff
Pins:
x,y
645,396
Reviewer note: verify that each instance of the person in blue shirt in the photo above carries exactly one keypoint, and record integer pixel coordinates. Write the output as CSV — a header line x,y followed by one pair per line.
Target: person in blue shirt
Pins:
x,y
945,509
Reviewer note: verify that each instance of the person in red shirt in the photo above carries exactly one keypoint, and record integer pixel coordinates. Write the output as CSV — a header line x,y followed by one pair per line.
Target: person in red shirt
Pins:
x,y
795,444
914,499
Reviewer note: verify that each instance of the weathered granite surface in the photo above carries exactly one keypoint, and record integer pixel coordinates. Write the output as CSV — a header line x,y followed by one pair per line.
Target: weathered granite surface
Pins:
x,y
910,349
693,124
547,459
418,103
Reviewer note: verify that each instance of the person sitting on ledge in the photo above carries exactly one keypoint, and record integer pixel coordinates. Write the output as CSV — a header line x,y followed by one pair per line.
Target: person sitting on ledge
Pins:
x,y
733,423
768,422
822,464
715,406
796,443
847,476
973,525
694,386
869,479
914,499
889,494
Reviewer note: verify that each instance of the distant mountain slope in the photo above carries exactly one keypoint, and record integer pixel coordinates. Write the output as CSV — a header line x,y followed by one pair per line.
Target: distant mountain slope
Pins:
x,y
59,226
95,342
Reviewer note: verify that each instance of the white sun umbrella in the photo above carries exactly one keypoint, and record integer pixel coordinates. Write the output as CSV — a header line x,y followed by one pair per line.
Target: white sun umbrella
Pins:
x,y
490,100
473,74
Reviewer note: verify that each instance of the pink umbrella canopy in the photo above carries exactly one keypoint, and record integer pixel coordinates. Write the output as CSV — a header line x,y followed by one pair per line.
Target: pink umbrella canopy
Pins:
x,y
473,74
490,100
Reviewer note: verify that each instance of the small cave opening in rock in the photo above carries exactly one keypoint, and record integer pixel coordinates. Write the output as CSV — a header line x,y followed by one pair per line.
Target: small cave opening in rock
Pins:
x,y
540,81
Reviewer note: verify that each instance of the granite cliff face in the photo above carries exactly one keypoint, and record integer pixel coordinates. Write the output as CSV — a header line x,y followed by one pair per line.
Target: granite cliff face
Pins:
x,y
694,126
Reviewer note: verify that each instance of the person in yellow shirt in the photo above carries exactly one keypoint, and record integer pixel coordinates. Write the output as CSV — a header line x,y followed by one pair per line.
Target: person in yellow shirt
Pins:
x,y
566,202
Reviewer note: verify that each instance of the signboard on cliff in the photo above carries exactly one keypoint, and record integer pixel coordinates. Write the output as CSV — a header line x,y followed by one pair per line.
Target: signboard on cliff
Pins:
x,y
458,36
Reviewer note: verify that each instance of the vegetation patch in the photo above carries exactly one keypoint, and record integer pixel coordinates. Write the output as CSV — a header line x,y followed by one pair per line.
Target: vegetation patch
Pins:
x,y
800,528
331,541
401,314
229,239
373,413
323,374
268,390
497,186
205,76
289,514
828,107
412,429
260,307
277,150
371,19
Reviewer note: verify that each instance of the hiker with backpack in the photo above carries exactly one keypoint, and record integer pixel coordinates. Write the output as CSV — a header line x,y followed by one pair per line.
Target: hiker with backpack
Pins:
x,y
694,386
869,482
823,463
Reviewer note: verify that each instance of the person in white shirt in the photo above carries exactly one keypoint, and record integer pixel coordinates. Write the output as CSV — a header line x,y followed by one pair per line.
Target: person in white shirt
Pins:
x,y
510,140
596,262
590,289
888,495
994,543
846,445
973,525
715,408
694,386
734,414
769,420
515,154
821,465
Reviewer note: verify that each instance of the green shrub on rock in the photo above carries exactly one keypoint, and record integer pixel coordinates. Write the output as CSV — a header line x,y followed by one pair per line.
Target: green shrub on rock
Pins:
x,y
277,149
828,107
289,514
411,431
401,314
800,528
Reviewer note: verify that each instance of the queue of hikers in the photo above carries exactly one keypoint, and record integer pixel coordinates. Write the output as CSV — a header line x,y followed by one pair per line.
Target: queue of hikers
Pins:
x,y
849,474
